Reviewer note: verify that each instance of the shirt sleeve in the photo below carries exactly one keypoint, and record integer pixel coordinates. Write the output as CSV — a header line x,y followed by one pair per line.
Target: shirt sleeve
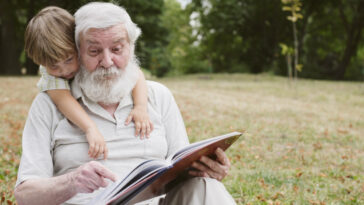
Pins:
x,y
172,120
49,82
36,160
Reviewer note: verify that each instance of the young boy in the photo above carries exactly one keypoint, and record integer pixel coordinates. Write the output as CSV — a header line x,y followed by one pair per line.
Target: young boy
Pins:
x,y
49,41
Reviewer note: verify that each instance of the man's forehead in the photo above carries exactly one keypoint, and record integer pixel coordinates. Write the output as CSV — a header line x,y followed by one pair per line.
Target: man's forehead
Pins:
x,y
115,34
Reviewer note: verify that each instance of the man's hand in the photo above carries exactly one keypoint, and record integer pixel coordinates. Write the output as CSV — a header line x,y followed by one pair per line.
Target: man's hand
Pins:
x,y
90,177
207,167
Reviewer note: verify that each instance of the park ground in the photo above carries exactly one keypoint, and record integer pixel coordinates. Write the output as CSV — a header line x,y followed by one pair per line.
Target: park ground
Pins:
x,y
303,142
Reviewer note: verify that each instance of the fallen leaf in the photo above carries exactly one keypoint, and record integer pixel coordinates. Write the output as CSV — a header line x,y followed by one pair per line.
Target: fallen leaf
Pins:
x,y
342,131
344,157
299,174
260,198
295,188
323,175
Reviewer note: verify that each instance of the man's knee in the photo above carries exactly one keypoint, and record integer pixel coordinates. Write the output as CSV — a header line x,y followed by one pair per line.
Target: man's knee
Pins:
x,y
200,190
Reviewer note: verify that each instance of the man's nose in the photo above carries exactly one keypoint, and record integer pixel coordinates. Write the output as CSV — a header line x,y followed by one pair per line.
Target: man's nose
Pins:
x,y
106,60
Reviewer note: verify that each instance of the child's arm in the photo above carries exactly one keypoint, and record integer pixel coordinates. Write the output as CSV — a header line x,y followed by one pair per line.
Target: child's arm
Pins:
x,y
139,114
74,112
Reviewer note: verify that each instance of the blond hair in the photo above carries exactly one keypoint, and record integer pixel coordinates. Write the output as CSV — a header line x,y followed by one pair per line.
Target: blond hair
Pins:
x,y
49,36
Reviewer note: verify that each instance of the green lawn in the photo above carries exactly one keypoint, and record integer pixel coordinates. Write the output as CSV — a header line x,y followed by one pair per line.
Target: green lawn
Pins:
x,y
303,143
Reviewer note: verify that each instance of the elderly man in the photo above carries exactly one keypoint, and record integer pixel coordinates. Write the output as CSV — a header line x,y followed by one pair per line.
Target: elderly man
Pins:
x,y
55,167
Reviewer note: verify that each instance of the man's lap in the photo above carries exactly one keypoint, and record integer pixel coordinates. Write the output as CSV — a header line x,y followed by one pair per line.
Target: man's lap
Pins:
x,y
197,190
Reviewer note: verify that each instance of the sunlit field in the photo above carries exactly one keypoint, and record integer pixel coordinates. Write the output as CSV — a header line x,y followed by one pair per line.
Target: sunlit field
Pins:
x,y
303,142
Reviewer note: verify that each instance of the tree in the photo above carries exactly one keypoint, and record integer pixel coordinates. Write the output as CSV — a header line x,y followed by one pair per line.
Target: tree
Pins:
x,y
353,28
151,47
287,52
11,29
14,17
333,33
294,7
183,49
240,36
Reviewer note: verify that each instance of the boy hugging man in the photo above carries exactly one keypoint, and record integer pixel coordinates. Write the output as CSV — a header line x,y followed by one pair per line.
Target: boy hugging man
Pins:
x,y
50,42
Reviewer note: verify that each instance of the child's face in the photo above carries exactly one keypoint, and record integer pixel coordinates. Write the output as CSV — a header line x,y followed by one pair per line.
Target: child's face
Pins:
x,y
66,69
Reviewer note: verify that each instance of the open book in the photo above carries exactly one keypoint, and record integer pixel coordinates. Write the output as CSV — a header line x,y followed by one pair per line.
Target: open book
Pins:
x,y
157,176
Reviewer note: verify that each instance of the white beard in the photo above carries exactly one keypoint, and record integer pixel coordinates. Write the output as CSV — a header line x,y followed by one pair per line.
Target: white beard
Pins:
x,y
108,86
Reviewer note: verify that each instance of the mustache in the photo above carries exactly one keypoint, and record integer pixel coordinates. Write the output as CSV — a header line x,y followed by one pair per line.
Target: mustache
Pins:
x,y
106,73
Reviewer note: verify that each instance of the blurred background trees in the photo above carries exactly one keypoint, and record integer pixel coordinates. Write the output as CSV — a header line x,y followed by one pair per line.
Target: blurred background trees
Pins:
x,y
218,36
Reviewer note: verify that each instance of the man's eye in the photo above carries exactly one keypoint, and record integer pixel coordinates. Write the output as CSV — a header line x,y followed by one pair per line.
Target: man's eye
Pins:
x,y
117,49
93,51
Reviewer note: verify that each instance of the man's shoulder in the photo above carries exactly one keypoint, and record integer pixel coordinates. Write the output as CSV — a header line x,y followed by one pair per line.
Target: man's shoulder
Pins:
x,y
158,93
156,85
42,97
43,102
157,89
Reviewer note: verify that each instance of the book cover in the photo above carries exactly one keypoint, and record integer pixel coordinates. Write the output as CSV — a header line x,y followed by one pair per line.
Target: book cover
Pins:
x,y
157,176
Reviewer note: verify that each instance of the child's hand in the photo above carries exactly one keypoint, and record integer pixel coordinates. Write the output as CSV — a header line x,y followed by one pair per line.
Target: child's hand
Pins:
x,y
97,145
143,125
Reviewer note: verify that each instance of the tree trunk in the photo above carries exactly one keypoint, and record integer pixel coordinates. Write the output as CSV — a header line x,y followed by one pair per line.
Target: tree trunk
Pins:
x,y
10,46
32,68
289,66
353,38
305,22
295,50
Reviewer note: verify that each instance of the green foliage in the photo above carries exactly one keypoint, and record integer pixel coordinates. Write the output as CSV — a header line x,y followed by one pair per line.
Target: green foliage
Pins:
x,y
293,6
220,36
151,47
245,33
286,50
329,37
184,54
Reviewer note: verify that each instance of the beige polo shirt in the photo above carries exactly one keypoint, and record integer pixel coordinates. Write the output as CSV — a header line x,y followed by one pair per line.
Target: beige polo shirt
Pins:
x,y
53,146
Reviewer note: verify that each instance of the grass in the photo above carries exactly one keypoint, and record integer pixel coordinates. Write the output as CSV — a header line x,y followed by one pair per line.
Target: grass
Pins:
x,y
303,143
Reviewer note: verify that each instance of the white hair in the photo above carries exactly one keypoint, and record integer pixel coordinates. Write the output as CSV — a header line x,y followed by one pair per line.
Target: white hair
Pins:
x,y
104,15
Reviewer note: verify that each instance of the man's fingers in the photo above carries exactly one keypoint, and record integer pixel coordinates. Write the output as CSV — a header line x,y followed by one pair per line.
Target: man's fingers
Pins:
x,y
91,176
211,163
88,180
221,157
216,167
104,172
207,170
198,173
